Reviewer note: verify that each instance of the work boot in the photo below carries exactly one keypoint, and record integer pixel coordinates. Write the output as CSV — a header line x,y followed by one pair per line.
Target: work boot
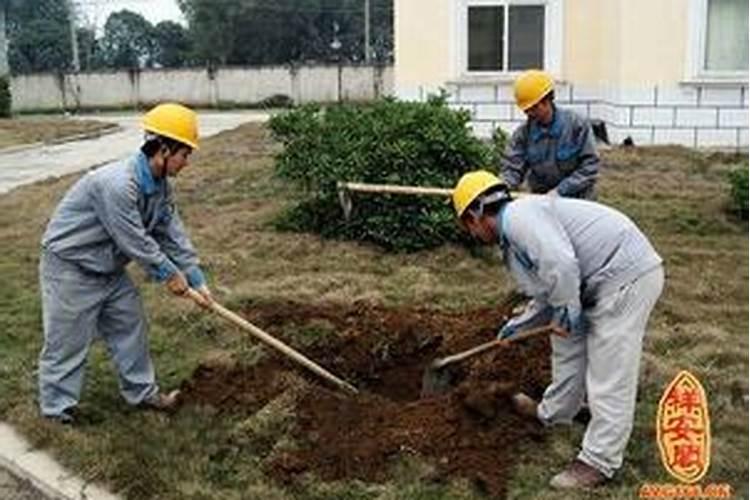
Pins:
x,y
162,402
525,406
577,476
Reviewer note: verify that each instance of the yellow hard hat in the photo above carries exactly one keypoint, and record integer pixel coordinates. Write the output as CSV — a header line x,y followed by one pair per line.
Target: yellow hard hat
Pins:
x,y
174,121
531,86
471,185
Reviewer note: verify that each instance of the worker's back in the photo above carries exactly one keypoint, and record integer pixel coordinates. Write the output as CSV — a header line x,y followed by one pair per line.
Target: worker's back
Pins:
x,y
608,246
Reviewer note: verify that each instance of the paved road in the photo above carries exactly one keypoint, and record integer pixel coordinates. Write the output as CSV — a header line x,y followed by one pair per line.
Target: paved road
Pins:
x,y
31,165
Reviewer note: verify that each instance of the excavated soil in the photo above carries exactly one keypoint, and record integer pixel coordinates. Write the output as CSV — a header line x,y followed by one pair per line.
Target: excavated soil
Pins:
x,y
468,432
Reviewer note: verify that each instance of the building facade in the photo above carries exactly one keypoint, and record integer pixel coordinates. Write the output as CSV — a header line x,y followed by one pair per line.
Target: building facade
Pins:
x,y
659,72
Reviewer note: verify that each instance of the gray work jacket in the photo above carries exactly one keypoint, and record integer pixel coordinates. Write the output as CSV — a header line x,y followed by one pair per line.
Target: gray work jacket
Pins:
x,y
562,155
118,213
569,253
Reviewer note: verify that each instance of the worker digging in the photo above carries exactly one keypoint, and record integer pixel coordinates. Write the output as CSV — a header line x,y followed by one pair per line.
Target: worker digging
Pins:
x,y
592,273
115,214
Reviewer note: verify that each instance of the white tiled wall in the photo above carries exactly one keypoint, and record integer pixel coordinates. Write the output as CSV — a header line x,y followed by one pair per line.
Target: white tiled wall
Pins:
x,y
653,117
733,117
716,137
689,115
697,117
681,136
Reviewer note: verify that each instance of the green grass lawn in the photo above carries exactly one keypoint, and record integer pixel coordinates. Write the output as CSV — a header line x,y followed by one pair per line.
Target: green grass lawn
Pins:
x,y
228,199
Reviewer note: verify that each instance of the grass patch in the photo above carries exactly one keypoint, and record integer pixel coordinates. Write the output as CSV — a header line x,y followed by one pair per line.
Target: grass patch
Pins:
x,y
16,131
229,200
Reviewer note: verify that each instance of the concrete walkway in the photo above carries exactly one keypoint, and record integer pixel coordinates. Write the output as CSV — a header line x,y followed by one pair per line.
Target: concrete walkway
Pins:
x,y
19,166
31,474
26,474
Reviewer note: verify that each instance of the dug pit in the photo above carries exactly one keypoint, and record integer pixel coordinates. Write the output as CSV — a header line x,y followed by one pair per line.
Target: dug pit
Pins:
x,y
468,432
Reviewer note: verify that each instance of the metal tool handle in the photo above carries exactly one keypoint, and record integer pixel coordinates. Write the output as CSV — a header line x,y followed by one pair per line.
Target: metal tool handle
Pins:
x,y
548,328
271,341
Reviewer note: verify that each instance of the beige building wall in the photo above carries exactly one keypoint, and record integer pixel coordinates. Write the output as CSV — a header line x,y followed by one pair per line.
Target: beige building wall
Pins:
x,y
625,42
423,42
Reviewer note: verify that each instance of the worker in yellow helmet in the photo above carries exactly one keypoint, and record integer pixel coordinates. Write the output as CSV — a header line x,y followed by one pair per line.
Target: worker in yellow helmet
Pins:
x,y
591,272
554,150
118,213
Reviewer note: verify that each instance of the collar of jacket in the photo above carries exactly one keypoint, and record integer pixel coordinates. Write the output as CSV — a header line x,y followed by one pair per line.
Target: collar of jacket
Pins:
x,y
554,129
500,225
145,178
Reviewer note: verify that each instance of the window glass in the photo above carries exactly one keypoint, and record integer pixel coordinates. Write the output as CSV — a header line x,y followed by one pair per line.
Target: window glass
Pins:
x,y
726,35
486,38
526,27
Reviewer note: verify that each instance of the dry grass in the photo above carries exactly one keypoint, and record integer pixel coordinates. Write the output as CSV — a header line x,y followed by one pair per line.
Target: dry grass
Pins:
x,y
15,131
229,199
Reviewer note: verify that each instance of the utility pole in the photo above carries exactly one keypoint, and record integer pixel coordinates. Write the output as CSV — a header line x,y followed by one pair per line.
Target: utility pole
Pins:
x,y
367,31
4,69
73,36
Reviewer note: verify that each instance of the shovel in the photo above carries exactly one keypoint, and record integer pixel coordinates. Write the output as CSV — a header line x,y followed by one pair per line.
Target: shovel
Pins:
x,y
437,378
273,342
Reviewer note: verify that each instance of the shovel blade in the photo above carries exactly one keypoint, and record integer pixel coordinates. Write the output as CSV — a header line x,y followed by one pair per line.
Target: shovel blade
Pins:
x,y
437,381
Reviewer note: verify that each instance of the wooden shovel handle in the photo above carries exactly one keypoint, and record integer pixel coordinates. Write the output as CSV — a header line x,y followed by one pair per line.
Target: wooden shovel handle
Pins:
x,y
272,342
549,328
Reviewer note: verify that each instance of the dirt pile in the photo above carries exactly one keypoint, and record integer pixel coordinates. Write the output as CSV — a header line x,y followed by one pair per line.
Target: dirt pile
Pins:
x,y
468,432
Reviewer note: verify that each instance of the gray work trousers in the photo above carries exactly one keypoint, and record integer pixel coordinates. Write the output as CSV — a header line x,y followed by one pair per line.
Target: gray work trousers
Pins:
x,y
78,307
602,365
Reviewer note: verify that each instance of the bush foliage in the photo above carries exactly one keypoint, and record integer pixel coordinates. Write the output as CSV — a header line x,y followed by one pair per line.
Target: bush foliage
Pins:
x,y
385,142
4,98
738,180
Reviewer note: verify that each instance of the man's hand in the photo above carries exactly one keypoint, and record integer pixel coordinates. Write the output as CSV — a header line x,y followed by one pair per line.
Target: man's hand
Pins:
x,y
206,298
177,284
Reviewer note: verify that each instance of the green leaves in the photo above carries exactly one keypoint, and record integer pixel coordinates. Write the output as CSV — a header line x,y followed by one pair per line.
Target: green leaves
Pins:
x,y
386,142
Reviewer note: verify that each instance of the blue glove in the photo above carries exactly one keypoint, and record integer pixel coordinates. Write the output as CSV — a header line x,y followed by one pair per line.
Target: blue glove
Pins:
x,y
569,319
506,331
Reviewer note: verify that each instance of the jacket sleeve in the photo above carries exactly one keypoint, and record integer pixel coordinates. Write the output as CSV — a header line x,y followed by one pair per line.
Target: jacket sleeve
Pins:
x,y
552,272
584,176
171,235
513,161
116,207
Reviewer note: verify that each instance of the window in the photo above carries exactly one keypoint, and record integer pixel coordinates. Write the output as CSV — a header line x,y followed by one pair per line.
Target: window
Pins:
x,y
510,35
726,35
719,39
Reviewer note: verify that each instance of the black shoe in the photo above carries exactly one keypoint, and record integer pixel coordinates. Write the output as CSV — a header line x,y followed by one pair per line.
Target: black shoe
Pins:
x,y
67,417
583,416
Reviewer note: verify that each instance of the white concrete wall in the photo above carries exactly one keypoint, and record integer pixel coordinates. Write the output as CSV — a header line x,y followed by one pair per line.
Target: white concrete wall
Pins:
x,y
199,87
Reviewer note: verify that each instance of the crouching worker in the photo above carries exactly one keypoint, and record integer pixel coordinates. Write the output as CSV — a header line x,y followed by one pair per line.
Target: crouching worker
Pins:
x,y
592,272
118,213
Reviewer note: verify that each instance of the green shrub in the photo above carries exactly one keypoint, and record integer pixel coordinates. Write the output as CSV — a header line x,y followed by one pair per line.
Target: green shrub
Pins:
x,y
385,142
499,143
738,180
4,98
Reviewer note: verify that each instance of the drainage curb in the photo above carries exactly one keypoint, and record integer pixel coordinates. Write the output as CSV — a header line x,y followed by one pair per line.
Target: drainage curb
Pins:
x,y
43,472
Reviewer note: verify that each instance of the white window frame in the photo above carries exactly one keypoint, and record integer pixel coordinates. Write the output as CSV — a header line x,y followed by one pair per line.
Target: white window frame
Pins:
x,y
553,39
697,31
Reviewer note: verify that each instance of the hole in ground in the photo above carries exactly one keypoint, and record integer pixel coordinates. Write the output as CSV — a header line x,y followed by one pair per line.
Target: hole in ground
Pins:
x,y
468,432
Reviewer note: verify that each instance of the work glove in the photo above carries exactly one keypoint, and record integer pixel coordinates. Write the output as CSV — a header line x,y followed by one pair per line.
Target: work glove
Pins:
x,y
569,318
536,313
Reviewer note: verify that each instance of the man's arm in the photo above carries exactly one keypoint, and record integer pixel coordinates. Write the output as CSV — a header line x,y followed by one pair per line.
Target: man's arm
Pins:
x,y
116,209
513,161
584,176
